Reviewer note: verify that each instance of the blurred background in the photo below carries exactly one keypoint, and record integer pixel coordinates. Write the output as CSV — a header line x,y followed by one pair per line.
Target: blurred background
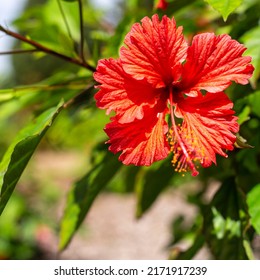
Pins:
x,y
117,225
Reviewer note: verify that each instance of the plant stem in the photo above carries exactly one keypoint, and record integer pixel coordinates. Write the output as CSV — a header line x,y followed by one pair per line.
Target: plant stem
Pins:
x,y
19,52
72,100
81,22
42,48
64,19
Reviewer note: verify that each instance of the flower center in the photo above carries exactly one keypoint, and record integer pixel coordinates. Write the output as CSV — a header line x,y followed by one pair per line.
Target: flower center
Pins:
x,y
178,136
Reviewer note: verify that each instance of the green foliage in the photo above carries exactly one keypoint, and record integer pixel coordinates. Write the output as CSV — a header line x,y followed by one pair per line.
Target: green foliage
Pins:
x,y
20,151
52,31
252,40
226,223
69,42
150,186
16,241
82,195
254,207
225,7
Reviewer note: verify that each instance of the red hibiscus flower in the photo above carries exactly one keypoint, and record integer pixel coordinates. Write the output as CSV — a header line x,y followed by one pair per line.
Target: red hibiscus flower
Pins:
x,y
162,4
168,96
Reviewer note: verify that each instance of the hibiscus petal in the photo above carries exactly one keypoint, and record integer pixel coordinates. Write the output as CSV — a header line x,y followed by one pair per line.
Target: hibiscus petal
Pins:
x,y
155,51
208,128
213,62
119,92
141,142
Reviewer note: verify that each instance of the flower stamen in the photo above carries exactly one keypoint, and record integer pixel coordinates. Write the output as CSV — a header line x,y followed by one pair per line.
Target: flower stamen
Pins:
x,y
181,156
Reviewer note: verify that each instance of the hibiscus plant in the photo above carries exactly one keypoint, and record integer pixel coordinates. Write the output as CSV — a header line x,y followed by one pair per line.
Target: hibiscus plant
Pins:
x,y
179,81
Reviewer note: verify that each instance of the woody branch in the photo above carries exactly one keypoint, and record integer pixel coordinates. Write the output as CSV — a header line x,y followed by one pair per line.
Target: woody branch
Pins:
x,y
40,47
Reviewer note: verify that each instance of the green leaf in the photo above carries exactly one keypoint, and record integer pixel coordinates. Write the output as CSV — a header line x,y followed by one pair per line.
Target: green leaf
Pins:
x,y
244,115
253,201
226,222
151,185
83,194
254,102
251,39
184,233
225,7
222,226
20,151
248,249
51,31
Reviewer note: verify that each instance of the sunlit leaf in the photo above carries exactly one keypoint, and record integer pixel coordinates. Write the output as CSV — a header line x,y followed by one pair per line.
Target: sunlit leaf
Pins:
x,y
248,249
52,31
20,151
253,201
254,102
225,7
251,39
222,226
244,115
83,194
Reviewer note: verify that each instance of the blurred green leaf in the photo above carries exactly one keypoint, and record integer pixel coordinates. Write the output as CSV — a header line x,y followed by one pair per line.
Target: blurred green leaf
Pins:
x,y
225,7
131,174
117,40
151,185
250,104
244,115
18,224
226,222
83,194
254,102
223,226
251,39
52,31
253,201
248,249
183,233
20,151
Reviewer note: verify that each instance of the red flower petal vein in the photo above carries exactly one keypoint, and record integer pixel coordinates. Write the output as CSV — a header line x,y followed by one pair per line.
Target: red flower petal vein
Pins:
x,y
154,49
213,62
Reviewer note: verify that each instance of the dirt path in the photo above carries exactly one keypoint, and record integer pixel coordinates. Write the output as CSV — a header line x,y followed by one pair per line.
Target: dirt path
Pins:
x,y
112,232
